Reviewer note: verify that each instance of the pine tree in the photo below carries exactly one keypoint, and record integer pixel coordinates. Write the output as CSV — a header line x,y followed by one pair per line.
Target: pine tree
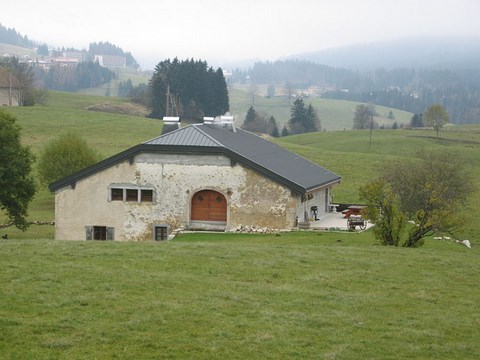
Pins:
x,y
200,89
273,128
298,117
251,116
312,122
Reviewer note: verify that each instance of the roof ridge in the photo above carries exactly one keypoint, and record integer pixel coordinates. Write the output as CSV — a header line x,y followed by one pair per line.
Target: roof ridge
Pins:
x,y
196,127
163,135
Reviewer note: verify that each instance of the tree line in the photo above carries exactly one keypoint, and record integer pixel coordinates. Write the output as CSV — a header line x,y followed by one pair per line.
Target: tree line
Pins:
x,y
303,119
407,89
12,37
195,90
84,75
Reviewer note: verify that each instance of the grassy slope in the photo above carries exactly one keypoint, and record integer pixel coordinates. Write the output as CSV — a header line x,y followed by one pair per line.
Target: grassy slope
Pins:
x,y
349,154
213,296
344,152
15,50
334,114
300,295
108,133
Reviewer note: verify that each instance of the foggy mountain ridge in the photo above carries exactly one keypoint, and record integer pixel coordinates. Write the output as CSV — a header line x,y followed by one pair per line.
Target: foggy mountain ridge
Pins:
x,y
433,52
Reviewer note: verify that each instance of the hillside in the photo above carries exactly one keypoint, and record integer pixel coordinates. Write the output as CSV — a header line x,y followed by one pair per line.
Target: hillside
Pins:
x,y
417,52
346,153
334,114
15,50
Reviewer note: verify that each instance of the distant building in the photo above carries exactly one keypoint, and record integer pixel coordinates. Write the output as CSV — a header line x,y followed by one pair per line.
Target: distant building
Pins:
x,y
80,56
111,60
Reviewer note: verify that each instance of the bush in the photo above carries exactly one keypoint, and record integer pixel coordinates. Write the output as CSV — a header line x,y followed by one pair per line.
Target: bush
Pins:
x,y
64,156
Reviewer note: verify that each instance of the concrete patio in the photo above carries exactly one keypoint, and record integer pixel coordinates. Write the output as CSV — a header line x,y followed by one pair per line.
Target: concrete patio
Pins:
x,y
334,220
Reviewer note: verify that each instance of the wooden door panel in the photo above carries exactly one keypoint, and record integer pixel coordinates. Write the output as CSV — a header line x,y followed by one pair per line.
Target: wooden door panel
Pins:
x,y
209,205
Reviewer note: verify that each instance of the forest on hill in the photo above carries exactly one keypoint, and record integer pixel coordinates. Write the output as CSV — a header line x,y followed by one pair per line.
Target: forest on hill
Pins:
x,y
408,89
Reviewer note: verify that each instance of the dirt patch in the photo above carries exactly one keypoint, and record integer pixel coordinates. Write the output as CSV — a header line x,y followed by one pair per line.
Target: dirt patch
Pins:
x,y
123,109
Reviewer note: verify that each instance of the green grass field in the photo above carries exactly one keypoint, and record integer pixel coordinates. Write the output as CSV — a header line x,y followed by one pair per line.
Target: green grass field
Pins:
x,y
333,114
225,296
301,295
347,153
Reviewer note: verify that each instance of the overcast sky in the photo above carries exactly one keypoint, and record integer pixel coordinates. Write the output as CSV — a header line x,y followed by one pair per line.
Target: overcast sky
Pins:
x,y
231,30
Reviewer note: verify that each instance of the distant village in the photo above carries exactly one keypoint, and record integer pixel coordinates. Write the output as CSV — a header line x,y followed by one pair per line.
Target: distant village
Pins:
x,y
72,59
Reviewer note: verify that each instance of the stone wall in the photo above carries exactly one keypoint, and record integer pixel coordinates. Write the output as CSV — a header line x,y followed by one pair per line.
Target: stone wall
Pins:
x,y
252,199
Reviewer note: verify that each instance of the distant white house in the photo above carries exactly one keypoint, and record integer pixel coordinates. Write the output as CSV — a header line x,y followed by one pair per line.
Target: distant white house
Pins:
x,y
111,60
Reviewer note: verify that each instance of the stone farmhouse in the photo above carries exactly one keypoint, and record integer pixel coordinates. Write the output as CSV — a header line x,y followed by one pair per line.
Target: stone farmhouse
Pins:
x,y
201,177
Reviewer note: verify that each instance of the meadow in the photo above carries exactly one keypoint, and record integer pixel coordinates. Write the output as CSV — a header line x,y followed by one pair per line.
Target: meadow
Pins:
x,y
333,114
301,295
325,295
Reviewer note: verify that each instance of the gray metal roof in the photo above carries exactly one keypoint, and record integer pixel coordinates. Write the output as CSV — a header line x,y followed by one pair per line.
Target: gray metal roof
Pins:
x,y
253,149
273,161
187,136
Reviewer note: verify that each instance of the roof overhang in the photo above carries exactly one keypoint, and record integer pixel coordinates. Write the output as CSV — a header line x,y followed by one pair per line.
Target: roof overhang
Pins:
x,y
130,154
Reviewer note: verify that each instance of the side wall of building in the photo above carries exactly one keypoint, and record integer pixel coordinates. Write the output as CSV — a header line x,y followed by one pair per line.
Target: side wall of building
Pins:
x,y
252,199
314,205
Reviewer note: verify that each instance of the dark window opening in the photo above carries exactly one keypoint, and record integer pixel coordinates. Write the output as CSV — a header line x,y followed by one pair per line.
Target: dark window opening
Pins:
x,y
146,195
132,195
117,194
161,233
99,233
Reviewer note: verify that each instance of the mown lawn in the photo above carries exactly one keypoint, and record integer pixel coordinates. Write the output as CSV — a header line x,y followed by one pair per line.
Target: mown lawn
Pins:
x,y
222,296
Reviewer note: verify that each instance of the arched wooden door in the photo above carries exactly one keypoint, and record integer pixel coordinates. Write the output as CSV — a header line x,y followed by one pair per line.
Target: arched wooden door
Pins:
x,y
209,205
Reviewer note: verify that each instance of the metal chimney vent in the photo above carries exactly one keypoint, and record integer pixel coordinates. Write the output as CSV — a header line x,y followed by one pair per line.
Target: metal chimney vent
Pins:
x,y
171,120
228,120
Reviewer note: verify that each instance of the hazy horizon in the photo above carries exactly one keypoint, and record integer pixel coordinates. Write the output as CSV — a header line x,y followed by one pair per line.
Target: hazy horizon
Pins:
x,y
232,31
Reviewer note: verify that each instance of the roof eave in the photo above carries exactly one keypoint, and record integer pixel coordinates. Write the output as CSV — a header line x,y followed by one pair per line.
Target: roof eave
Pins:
x,y
141,148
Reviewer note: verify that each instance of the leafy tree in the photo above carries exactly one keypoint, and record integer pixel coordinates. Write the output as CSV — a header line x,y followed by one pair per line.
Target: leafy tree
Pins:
x,y
428,191
25,77
270,91
64,156
290,90
362,117
383,210
436,116
17,186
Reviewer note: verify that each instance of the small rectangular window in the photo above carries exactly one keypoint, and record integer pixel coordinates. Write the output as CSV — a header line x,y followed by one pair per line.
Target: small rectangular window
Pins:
x,y
132,195
146,195
117,194
99,233
160,233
